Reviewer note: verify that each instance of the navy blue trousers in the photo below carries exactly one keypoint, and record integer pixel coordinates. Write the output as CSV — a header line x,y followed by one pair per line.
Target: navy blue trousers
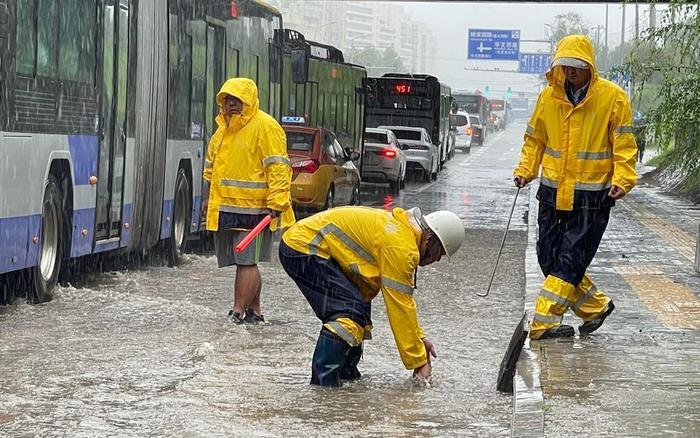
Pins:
x,y
331,296
568,240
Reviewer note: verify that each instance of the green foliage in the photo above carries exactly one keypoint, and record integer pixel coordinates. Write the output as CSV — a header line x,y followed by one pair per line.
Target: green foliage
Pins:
x,y
666,66
376,60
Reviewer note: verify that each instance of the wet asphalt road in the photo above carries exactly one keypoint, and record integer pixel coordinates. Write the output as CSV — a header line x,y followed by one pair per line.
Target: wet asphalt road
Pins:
x,y
149,352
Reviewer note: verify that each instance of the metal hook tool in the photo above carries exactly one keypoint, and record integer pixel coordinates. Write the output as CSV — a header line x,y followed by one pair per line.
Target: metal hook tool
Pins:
x,y
493,274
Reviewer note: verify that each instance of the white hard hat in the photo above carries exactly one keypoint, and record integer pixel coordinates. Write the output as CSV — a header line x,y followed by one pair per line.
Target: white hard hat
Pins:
x,y
570,62
448,227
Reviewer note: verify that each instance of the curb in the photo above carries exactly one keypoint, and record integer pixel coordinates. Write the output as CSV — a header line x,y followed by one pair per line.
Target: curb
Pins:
x,y
528,399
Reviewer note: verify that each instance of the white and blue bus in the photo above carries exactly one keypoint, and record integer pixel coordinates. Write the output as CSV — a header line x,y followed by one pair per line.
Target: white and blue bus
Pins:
x,y
106,107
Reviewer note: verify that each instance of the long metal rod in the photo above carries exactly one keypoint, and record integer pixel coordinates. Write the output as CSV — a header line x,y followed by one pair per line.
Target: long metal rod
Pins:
x,y
500,250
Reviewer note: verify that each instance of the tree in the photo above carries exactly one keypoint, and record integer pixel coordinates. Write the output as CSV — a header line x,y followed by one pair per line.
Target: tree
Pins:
x,y
573,24
666,67
377,61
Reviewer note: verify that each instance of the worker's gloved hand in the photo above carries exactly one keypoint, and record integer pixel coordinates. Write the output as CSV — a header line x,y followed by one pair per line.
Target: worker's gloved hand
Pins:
x,y
519,181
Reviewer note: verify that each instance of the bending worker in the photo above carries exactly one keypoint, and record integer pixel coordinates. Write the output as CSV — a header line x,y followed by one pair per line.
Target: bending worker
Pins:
x,y
581,135
250,177
342,258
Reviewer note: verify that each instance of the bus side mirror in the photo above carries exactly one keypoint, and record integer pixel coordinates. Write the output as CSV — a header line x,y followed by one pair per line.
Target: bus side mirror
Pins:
x,y
300,66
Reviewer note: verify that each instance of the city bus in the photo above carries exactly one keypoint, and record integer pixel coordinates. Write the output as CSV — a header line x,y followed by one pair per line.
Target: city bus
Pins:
x,y
421,101
106,108
322,88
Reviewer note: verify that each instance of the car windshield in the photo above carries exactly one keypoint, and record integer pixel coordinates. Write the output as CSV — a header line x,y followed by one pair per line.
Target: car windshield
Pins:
x,y
300,141
402,134
376,137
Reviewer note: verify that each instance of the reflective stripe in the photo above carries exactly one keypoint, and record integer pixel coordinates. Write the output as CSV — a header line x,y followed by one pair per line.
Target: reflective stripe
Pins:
x,y
270,160
529,130
243,210
625,129
340,234
343,333
548,182
588,187
593,155
592,187
554,297
401,287
548,319
585,297
313,245
244,184
552,152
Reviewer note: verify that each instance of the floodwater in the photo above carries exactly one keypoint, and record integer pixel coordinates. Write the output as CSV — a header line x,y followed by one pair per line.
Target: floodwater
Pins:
x,y
149,351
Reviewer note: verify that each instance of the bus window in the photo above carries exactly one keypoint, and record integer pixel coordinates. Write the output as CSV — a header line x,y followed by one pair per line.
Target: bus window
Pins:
x,y
47,51
77,61
26,38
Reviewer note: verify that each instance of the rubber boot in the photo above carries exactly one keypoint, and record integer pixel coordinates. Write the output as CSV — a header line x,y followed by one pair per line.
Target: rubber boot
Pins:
x,y
329,358
349,370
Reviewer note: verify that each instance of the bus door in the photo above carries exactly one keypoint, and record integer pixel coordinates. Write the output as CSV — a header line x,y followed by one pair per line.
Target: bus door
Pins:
x,y
216,64
110,183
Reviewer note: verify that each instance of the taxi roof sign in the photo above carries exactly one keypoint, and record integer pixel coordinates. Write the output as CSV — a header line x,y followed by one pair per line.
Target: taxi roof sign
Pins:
x,y
297,120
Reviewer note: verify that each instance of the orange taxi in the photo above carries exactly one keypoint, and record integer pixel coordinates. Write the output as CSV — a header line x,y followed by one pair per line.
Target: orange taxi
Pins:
x,y
323,173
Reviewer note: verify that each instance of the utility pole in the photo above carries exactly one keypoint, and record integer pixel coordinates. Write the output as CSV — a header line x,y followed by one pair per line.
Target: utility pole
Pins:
x,y
636,22
606,38
652,16
622,33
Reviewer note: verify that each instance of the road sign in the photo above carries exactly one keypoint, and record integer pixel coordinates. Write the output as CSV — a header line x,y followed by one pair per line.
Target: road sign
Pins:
x,y
494,44
535,63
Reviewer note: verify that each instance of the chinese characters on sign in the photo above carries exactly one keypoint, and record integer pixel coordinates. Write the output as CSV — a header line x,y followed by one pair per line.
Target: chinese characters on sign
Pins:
x,y
534,63
493,44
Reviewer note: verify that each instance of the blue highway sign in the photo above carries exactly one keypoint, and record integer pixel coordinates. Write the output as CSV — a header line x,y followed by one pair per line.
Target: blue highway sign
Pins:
x,y
494,44
535,63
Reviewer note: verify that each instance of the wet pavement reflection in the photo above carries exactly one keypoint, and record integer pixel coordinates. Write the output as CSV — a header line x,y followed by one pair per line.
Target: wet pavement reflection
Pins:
x,y
149,351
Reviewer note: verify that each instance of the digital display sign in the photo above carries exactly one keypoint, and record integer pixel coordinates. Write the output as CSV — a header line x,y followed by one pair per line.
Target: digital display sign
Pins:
x,y
402,88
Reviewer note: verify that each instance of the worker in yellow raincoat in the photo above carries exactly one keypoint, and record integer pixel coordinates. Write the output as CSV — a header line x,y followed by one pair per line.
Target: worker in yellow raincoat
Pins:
x,y
581,136
249,177
343,257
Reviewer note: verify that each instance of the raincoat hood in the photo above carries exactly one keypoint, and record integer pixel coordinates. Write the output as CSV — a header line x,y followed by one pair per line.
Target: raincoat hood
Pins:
x,y
572,46
245,90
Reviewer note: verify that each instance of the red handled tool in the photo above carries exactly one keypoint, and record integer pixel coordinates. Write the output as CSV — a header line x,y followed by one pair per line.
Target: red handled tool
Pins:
x,y
254,232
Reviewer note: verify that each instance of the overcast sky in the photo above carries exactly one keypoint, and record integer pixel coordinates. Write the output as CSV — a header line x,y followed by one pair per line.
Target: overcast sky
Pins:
x,y
449,22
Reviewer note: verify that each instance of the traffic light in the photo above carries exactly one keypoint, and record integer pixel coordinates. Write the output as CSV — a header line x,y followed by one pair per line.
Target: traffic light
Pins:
x,y
486,90
509,92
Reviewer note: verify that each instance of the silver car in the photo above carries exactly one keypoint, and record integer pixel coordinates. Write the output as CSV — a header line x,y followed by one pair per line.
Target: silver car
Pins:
x,y
420,151
383,159
462,129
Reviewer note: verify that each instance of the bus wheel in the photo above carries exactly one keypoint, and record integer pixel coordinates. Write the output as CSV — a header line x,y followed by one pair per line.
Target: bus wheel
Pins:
x,y
44,276
180,224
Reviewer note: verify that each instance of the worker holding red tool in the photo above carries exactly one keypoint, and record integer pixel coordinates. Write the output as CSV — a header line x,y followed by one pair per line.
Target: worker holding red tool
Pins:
x,y
249,178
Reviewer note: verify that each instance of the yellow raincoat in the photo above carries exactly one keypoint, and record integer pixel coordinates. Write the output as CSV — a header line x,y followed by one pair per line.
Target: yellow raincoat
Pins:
x,y
377,251
589,147
247,164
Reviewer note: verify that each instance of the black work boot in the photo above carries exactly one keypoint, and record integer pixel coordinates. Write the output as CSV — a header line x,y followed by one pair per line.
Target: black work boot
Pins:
x,y
560,331
594,324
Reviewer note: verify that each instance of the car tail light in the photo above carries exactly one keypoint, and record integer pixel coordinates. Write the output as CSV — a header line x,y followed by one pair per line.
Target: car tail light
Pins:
x,y
469,130
304,166
389,153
